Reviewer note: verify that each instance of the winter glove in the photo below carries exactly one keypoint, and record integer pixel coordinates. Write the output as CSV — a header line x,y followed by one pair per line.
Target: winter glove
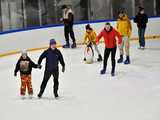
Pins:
x,y
15,74
63,69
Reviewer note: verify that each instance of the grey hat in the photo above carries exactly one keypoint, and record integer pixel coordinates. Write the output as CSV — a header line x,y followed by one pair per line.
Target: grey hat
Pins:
x,y
24,52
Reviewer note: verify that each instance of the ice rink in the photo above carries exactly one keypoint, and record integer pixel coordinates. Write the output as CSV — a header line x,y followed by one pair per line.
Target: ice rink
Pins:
x,y
133,94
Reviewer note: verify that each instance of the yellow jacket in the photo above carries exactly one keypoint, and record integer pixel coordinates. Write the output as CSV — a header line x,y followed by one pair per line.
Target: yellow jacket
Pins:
x,y
90,37
124,26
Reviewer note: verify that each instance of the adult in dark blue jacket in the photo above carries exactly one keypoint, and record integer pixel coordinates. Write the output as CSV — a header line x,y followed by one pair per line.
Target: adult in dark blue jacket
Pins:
x,y
141,19
53,56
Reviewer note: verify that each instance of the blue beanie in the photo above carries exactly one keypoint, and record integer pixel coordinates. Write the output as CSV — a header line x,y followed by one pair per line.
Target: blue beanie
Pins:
x,y
52,41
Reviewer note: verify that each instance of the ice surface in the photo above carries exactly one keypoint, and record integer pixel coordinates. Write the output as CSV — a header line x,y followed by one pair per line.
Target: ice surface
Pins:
x,y
133,94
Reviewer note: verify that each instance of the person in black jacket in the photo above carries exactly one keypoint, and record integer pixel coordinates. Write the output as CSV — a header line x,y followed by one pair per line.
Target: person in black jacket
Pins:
x,y
68,19
141,19
25,65
53,56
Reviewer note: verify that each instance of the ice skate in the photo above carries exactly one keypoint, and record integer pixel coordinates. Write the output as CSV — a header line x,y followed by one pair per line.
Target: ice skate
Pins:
x,y
127,61
74,45
120,60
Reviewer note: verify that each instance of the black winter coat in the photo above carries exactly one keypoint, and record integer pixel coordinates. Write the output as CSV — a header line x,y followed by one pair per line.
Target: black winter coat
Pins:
x,y
70,20
25,66
141,20
53,57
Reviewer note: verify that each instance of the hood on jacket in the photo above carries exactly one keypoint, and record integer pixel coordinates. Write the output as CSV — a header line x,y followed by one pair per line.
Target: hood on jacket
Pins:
x,y
109,30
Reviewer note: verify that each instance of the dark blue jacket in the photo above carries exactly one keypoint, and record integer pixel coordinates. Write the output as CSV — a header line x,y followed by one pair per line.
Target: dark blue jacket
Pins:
x,y
53,57
141,20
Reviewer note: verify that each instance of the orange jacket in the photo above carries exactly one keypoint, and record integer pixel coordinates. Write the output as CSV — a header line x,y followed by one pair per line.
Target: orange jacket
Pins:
x,y
90,37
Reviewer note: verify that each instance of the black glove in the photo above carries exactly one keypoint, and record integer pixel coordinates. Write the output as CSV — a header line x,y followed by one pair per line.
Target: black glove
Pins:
x,y
39,66
89,45
63,69
15,74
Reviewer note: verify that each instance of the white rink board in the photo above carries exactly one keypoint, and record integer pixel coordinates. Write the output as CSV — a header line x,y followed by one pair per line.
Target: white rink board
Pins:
x,y
40,37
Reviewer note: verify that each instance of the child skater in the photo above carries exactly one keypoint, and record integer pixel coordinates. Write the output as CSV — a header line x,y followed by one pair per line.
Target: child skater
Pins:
x,y
90,40
25,65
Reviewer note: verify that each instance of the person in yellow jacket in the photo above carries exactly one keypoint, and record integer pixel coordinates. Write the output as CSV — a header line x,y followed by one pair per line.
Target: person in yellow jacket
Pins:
x,y
124,28
90,40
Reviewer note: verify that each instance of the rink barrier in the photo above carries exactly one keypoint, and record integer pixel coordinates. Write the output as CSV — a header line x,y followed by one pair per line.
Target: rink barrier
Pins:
x,y
60,25
59,46
14,51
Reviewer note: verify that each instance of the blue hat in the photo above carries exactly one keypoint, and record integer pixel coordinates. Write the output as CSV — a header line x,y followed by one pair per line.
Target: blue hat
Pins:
x,y
52,42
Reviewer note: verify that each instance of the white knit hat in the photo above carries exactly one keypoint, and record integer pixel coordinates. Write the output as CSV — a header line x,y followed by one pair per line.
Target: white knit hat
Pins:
x,y
24,52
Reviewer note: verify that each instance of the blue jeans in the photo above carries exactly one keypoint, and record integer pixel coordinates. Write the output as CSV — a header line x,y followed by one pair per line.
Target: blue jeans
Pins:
x,y
141,33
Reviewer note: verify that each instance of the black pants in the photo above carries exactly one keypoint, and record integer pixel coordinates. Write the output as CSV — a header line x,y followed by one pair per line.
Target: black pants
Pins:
x,y
106,56
47,75
68,30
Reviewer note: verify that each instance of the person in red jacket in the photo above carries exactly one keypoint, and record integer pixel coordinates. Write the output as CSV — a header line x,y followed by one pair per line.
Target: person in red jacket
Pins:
x,y
110,36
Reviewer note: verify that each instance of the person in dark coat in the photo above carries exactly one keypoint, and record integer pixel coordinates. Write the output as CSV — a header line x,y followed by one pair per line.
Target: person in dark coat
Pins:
x,y
68,20
53,56
25,65
141,19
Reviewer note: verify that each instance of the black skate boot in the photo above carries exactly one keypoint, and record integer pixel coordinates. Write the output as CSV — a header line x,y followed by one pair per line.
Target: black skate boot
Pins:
x,y
99,58
113,71
127,61
120,60
56,94
103,71
67,45
112,74
39,95
74,45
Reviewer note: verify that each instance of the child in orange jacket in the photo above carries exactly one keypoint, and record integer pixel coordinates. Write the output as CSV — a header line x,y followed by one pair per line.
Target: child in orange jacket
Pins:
x,y
25,65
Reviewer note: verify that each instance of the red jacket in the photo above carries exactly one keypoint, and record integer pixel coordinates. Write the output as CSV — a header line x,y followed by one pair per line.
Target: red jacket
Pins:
x,y
109,38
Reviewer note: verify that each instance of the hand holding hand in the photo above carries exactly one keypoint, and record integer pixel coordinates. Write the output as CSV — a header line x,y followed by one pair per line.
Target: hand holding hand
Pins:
x,y
39,66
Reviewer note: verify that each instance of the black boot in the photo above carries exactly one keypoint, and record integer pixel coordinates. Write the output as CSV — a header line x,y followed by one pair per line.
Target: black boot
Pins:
x,y
56,94
99,58
113,71
67,45
39,95
127,61
74,45
103,71
120,60
112,74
